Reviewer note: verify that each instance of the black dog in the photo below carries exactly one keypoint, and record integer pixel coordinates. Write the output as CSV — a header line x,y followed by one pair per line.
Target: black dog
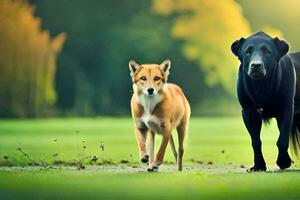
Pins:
x,y
267,88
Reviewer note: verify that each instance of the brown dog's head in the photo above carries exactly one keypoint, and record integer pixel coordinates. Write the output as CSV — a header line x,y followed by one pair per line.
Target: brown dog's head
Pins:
x,y
149,79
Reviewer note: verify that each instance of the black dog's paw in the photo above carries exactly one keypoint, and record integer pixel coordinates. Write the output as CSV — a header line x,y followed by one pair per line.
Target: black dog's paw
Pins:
x,y
152,169
257,168
145,159
284,162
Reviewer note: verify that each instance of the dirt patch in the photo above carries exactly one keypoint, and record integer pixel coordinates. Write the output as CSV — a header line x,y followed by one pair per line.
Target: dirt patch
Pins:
x,y
124,168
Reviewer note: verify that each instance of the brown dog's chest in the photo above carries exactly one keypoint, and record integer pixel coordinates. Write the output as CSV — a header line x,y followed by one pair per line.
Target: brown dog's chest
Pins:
x,y
151,121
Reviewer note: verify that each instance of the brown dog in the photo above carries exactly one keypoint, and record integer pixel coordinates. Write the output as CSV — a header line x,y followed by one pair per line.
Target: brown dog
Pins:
x,y
157,107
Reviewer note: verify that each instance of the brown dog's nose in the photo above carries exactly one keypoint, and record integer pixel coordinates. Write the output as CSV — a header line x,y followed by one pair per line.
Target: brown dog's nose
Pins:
x,y
150,91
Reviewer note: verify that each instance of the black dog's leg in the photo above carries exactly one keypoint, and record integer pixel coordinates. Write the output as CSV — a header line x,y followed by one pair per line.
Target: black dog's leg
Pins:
x,y
284,122
253,122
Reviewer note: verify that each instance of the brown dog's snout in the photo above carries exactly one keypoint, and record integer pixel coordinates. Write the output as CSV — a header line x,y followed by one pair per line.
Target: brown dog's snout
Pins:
x,y
150,90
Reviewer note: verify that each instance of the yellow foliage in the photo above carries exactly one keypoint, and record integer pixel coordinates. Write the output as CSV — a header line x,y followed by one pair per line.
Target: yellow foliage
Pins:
x,y
208,29
165,7
273,32
27,61
58,41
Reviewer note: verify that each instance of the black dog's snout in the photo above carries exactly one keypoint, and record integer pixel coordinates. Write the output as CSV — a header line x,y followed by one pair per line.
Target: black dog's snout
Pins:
x,y
150,90
256,65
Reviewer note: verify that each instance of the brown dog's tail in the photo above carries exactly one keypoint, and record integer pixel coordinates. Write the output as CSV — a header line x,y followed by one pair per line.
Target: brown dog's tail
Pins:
x,y
295,135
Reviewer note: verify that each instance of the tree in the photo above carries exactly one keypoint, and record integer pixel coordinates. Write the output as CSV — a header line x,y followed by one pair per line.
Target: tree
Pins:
x,y
208,28
27,62
93,76
281,15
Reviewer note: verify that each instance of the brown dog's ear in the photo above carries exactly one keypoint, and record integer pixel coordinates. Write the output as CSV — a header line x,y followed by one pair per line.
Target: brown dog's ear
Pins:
x,y
282,46
133,67
236,46
165,66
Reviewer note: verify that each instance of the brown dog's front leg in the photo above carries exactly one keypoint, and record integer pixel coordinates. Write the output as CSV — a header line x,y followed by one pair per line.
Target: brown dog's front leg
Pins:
x,y
161,152
151,148
141,140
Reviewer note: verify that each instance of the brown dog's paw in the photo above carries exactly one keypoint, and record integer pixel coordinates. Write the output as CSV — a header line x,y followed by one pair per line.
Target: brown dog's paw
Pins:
x,y
145,159
152,169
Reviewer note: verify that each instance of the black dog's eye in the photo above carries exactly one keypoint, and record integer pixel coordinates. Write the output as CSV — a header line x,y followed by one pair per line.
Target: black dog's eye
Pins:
x,y
248,51
265,50
156,78
143,78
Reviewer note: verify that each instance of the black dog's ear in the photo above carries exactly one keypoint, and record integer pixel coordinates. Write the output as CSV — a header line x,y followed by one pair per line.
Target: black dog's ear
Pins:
x,y
282,46
236,45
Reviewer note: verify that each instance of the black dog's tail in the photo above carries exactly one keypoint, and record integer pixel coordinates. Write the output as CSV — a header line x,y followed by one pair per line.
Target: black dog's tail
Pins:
x,y
295,136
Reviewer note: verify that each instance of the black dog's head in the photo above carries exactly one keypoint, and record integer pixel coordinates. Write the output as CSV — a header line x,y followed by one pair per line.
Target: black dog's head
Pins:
x,y
259,54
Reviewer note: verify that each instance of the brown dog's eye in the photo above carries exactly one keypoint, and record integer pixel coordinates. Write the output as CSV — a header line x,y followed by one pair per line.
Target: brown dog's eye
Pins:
x,y
143,78
156,78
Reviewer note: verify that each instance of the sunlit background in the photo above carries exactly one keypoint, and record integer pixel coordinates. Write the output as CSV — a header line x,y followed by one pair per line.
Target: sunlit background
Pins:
x,y
70,58
65,89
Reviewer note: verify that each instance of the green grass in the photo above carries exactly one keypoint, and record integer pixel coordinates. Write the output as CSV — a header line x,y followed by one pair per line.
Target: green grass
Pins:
x,y
217,152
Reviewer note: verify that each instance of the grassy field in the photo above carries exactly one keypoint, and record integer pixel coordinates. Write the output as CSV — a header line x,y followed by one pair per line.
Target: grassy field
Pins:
x,y
39,159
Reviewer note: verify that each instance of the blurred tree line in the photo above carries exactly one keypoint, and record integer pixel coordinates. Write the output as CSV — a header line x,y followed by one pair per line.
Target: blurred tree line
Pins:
x,y
281,15
91,75
27,62
208,29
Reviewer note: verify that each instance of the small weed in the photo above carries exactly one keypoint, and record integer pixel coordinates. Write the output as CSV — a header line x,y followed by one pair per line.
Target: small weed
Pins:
x,y
60,154
101,146
26,155
124,161
93,159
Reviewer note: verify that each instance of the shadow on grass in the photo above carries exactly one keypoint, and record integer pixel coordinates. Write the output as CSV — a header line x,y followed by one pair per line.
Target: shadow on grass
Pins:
x,y
284,171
